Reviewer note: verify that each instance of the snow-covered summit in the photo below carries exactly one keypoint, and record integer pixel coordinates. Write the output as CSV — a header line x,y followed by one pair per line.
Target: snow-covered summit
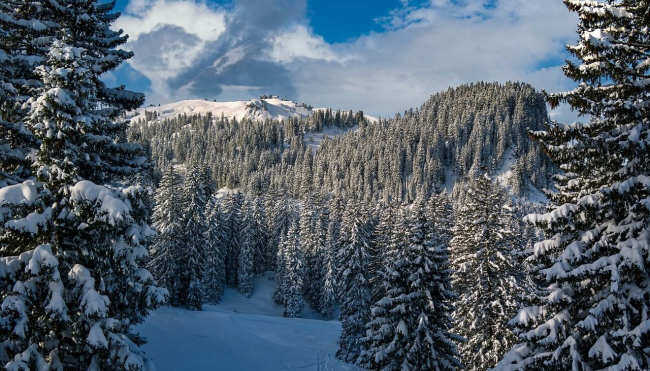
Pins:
x,y
258,109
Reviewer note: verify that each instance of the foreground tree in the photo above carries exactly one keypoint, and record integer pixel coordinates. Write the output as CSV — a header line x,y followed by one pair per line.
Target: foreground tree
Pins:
x,y
72,281
596,259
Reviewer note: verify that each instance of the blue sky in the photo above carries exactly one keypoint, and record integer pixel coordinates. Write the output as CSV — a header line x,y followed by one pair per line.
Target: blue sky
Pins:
x,y
337,20
381,56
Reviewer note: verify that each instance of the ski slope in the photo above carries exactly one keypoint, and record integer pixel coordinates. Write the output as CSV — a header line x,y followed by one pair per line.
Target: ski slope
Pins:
x,y
247,334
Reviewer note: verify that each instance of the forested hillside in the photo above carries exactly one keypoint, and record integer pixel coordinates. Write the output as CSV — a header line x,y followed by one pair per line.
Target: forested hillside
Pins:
x,y
359,222
478,126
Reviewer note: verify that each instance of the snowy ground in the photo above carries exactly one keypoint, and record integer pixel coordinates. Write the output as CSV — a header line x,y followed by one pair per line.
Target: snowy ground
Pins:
x,y
241,334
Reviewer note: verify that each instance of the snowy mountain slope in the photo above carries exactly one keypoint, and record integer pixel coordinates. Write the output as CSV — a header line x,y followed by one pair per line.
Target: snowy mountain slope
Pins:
x,y
258,109
241,334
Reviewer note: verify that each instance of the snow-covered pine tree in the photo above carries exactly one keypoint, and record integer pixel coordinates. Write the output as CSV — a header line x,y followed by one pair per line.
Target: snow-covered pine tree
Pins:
x,y
441,210
283,213
409,327
382,237
352,265
215,274
260,220
166,250
248,250
69,307
231,206
293,273
313,235
271,250
333,238
308,219
192,264
281,288
596,258
485,275
328,294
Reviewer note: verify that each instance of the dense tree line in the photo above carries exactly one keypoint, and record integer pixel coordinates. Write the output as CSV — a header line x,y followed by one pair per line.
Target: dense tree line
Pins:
x,y
409,156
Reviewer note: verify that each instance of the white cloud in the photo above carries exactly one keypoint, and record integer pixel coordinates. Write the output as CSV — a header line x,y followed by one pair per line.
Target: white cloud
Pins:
x,y
300,42
167,37
197,18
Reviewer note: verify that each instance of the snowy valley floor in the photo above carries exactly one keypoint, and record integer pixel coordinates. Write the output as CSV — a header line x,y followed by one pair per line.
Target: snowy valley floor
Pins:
x,y
241,334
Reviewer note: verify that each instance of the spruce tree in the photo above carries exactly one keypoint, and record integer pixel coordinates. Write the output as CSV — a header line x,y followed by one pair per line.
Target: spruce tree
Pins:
x,y
281,286
215,275
409,328
192,267
74,263
166,250
382,237
293,273
441,210
485,276
248,251
352,264
259,219
231,207
595,259
328,294
283,213
314,221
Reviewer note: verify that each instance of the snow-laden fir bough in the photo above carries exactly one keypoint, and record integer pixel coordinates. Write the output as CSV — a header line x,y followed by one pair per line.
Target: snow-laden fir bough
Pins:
x,y
596,257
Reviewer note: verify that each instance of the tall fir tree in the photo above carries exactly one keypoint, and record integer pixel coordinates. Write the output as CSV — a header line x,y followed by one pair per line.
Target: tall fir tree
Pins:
x,y
215,275
595,261
409,328
352,265
231,207
485,275
281,287
259,218
328,295
382,237
166,250
248,251
192,267
314,221
293,273
68,306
